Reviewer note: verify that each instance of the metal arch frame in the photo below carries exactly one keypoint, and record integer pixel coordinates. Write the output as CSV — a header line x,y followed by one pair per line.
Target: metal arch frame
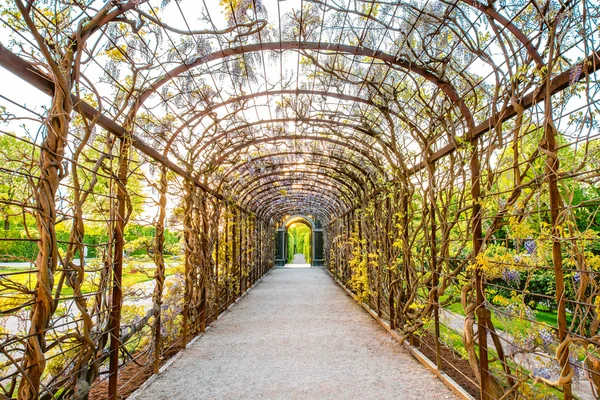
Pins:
x,y
248,191
351,98
271,139
261,187
266,93
241,165
265,187
317,121
505,22
492,13
288,208
307,221
37,78
268,139
304,218
329,193
305,188
407,65
318,214
284,208
259,176
282,237
276,201
257,189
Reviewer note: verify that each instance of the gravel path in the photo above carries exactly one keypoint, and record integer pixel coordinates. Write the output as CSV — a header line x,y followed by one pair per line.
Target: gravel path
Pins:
x,y
296,335
299,259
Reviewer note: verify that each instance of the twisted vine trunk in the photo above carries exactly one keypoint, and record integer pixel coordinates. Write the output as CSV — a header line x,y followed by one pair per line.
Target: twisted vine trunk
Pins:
x,y
51,173
160,264
121,217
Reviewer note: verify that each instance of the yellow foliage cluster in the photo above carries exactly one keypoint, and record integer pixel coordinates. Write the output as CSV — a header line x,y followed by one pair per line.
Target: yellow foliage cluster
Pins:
x,y
592,260
116,53
519,229
359,282
497,258
229,3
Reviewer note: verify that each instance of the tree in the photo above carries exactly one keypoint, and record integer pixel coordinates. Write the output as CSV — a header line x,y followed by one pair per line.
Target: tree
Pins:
x,y
17,155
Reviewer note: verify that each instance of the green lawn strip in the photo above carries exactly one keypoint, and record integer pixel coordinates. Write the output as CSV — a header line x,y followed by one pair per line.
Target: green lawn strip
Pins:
x,y
508,324
132,275
453,339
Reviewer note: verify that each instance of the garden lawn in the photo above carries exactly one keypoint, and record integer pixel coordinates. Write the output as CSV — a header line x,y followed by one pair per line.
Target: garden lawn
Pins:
x,y
13,278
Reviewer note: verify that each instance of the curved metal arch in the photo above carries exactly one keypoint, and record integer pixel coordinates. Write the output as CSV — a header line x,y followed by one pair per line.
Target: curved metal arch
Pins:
x,y
214,140
326,209
346,200
275,199
330,193
329,190
238,148
200,114
278,209
354,178
304,218
283,209
412,128
407,65
265,191
320,216
512,28
234,167
266,93
249,189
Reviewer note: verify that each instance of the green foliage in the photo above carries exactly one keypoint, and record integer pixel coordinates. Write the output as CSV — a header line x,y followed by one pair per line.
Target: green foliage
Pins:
x,y
299,241
137,237
306,250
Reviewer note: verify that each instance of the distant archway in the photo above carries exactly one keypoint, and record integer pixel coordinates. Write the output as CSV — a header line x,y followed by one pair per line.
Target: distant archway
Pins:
x,y
316,233
299,243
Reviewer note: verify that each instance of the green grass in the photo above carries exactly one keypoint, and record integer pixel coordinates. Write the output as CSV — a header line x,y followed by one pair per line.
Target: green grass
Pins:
x,y
133,273
453,340
508,324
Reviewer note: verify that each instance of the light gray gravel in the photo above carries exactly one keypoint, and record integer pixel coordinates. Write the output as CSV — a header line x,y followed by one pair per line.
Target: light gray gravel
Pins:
x,y
296,335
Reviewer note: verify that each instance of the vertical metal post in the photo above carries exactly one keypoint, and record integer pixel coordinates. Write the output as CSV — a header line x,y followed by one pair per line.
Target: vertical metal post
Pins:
x,y
117,290
253,253
227,258
552,166
434,265
346,247
378,275
479,280
160,265
240,255
217,292
234,246
259,249
390,273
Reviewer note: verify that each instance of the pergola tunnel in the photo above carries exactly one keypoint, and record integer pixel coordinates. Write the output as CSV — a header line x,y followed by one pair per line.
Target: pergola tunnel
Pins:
x,y
439,158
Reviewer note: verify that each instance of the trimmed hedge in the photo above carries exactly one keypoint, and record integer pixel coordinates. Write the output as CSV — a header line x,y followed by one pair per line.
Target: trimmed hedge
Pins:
x,y
22,249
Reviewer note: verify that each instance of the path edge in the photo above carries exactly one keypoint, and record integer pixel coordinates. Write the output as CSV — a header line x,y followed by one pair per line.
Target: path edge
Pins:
x,y
413,351
138,392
